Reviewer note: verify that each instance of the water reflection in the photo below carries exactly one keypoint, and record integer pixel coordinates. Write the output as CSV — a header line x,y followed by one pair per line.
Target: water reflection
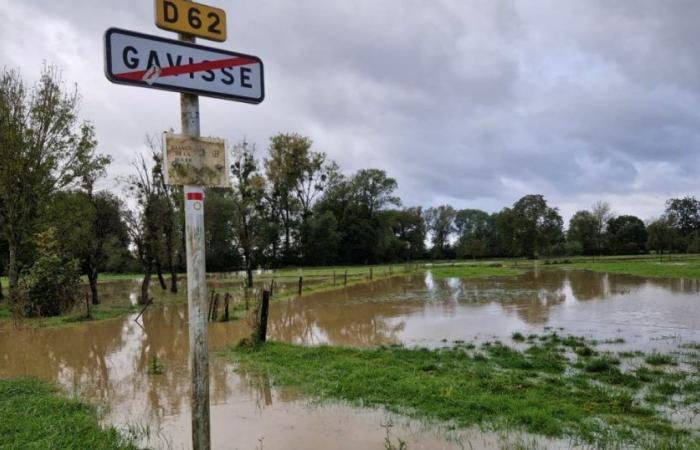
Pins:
x,y
108,361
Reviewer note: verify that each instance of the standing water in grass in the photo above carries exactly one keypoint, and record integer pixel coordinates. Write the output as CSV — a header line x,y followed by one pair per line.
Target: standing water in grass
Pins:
x,y
112,362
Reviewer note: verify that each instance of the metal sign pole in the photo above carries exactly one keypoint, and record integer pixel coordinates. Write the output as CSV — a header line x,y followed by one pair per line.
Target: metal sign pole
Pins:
x,y
196,284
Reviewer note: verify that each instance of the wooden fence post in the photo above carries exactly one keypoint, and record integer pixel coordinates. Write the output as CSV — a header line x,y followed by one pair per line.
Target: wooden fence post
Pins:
x,y
301,284
346,278
334,278
370,273
264,311
226,300
211,305
215,308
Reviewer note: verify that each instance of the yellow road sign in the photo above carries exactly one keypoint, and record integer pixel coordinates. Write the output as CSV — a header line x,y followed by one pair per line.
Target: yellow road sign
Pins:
x,y
191,18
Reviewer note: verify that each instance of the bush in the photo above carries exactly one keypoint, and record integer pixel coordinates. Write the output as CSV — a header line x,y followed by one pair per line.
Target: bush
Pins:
x,y
50,286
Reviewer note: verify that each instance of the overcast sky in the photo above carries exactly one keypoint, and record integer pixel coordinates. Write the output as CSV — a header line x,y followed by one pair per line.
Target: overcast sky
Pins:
x,y
473,103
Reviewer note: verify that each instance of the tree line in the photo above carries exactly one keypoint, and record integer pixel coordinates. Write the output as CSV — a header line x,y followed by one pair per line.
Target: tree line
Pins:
x,y
290,205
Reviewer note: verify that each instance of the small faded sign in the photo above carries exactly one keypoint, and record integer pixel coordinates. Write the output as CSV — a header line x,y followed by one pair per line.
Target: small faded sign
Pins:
x,y
195,161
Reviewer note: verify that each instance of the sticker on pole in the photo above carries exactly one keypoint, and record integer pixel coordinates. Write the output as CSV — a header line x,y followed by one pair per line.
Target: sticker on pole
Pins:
x,y
194,201
195,161
143,60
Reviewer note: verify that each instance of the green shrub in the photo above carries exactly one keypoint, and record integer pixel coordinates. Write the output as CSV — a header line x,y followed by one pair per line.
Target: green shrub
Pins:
x,y
51,286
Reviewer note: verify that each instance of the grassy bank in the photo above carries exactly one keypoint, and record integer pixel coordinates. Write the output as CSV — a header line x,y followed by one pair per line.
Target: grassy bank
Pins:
x,y
676,268
586,397
102,311
34,415
474,271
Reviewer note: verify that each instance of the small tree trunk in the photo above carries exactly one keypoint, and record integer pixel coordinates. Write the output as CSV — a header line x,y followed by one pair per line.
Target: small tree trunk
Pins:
x,y
87,307
12,273
249,276
264,311
145,284
173,282
92,278
161,280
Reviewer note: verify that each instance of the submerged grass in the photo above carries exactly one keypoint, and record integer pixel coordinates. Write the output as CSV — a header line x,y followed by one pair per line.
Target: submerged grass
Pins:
x,y
474,271
538,390
34,415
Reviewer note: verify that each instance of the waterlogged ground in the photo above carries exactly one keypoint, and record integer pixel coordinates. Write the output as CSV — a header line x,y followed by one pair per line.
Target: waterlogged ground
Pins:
x,y
108,361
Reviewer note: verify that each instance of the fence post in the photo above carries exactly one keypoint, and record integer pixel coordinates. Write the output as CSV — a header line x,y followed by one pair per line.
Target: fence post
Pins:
x,y
211,305
264,311
215,308
301,284
334,278
346,278
226,300
370,273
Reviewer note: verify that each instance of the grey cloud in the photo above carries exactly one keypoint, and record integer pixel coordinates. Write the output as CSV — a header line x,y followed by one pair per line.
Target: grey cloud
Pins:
x,y
475,103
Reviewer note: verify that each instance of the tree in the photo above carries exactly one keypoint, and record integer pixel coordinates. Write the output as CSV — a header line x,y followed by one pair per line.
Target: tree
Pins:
x,y
248,195
92,230
322,239
602,213
42,147
297,175
220,232
440,224
408,227
683,214
537,228
472,227
627,235
50,286
143,222
172,219
583,229
359,205
661,235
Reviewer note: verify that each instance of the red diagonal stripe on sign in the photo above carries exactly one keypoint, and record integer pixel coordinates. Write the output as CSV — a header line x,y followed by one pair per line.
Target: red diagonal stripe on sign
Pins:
x,y
195,196
190,68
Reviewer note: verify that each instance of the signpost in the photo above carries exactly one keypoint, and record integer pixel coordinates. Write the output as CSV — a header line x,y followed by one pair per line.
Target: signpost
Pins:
x,y
191,18
143,60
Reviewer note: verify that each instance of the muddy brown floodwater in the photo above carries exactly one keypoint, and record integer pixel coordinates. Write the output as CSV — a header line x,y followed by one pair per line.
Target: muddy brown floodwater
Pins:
x,y
107,362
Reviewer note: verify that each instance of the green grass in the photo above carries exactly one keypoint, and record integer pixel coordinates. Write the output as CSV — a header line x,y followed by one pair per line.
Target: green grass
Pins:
x,y
660,359
473,271
35,415
537,390
99,312
681,267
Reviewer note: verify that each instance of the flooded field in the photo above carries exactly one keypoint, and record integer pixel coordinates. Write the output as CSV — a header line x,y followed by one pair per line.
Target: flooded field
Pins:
x,y
107,362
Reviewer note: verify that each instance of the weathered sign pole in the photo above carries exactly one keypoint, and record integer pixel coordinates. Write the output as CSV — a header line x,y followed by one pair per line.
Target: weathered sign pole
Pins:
x,y
196,283
137,59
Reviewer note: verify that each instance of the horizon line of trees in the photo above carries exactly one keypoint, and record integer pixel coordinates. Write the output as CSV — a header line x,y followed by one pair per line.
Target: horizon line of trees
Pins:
x,y
293,206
